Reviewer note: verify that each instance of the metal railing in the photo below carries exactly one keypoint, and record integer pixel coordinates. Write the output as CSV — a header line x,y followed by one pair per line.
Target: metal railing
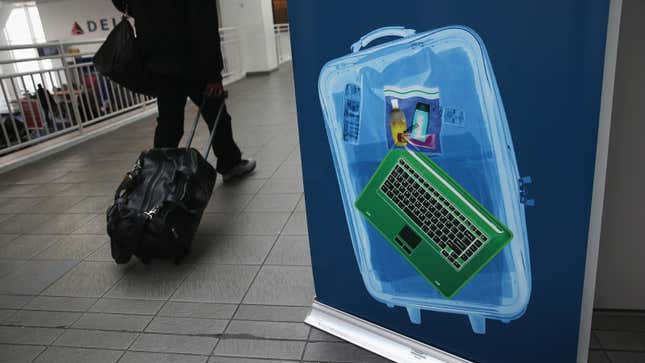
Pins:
x,y
51,89
282,42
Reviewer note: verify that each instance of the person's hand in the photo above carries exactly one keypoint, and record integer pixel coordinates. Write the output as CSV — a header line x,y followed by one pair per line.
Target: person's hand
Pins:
x,y
214,89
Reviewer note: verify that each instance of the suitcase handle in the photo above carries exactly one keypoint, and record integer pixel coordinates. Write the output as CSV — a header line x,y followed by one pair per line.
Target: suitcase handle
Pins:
x,y
388,31
224,96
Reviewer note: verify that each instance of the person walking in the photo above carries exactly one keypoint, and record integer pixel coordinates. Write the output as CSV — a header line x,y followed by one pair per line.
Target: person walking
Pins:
x,y
181,47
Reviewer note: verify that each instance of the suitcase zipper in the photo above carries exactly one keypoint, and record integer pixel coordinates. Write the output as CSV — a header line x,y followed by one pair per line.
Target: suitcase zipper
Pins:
x,y
155,181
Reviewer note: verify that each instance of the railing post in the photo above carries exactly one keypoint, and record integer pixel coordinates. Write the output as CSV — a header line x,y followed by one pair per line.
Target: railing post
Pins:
x,y
72,96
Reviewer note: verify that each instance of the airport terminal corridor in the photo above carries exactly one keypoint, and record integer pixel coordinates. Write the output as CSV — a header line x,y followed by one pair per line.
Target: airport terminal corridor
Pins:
x,y
241,295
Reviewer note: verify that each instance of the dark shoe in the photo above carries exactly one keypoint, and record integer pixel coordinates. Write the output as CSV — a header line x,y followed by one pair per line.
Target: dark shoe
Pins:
x,y
244,167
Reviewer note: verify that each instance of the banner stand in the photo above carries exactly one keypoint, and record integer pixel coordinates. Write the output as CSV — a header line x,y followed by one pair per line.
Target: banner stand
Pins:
x,y
374,338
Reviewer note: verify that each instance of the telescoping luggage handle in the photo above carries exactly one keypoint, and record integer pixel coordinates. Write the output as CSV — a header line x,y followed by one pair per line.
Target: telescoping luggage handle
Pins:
x,y
223,97
388,31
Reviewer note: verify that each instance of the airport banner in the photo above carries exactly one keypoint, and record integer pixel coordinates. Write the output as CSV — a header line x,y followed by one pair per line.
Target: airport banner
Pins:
x,y
449,156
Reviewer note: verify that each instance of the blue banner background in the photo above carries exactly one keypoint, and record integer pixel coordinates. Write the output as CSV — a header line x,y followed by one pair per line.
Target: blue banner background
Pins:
x,y
548,59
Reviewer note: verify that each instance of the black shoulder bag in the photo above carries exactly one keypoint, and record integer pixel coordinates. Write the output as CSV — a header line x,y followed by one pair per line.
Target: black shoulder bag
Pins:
x,y
120,58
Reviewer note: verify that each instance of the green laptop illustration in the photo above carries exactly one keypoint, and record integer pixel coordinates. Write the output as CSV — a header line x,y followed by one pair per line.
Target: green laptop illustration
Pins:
x,y
442,231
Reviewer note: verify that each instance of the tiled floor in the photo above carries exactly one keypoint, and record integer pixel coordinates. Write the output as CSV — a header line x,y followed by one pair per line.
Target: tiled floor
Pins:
x,y
241,296
618,337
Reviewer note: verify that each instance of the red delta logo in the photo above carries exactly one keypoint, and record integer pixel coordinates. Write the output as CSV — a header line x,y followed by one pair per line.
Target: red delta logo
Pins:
x,y
91,26
76,29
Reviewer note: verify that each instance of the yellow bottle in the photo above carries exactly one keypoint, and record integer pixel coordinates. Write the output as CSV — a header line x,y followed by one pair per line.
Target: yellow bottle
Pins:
x,y
398,125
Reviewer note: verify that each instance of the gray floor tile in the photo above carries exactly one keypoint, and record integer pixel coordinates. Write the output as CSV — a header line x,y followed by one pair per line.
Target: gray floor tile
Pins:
x,y
48,190
96,225
243,186
267,330
339,352
156,281
290,250
17,190
301,207
273,203
91,205
6,238
244,360
272,349
104,253
127,306
294,314
297,224
73,247
161,343
228,202
227,249
118,322
282,186
78,355
19,353
35,336
24,223
93,189
34,276
43,319
618,340
248,223
17,205
55,303
598,356
141,357
198,310
54,205
5,314
190,326
282,285
14,301
27,246
95,339
624,357
288,171
62,224
214,223
88,279
594,343
9,266
617,320
4,217
321,336
216,283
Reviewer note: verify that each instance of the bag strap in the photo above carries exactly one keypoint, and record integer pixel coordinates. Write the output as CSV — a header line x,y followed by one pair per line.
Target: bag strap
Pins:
x,y
196,121
126,8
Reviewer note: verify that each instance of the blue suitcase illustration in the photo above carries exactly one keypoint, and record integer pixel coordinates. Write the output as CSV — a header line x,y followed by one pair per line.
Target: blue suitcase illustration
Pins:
x,y
461,125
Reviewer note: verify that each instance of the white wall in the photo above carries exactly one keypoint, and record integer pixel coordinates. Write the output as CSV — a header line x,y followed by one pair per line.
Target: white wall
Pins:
x,y
621,264
58,17
254,20
96,18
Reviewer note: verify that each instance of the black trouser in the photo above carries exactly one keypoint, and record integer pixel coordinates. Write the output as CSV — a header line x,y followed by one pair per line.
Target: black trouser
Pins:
x,y
171,100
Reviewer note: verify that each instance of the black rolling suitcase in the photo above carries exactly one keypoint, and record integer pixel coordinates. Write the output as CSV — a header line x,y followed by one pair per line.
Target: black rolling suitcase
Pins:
x,y
158,206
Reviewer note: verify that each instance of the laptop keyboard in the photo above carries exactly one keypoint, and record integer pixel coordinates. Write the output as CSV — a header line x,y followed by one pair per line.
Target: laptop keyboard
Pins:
x,y
435,215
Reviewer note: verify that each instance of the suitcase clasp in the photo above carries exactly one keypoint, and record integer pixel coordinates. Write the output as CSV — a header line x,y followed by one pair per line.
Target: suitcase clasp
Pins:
x,y
151,213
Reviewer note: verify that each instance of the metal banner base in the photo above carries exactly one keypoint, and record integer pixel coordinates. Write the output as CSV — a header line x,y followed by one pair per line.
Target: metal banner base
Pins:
x,y
374,338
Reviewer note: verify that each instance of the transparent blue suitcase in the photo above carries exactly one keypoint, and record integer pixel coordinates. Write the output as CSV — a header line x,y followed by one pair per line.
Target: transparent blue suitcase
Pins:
x,y
475,149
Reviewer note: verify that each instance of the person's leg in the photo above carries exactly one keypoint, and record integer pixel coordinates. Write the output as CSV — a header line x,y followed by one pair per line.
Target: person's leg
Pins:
x,y
171,101
226,150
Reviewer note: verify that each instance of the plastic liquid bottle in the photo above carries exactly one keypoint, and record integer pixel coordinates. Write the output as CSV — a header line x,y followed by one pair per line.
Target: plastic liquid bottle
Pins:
x,y
398,124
